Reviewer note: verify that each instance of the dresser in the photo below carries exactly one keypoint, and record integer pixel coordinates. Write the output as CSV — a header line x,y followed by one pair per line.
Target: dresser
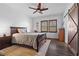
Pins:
x,y
61,34
5,41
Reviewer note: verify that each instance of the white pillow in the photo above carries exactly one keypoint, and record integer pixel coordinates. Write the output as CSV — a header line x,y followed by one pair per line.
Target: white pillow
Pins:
x,y
22,30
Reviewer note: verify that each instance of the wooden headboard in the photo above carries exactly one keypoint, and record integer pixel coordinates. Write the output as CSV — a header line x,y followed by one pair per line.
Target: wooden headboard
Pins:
x,y
15,29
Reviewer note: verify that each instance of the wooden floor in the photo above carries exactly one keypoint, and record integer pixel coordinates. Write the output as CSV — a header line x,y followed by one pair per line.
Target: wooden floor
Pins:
x,y
57,48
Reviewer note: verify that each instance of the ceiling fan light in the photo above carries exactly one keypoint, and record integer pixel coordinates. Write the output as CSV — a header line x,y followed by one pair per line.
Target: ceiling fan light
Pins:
x,y
39,11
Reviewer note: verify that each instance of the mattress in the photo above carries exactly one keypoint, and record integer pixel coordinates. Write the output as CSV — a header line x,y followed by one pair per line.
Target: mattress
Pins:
x,y
16,50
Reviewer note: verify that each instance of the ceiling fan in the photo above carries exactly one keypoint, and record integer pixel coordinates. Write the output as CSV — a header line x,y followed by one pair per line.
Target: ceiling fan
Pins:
x,y
38,9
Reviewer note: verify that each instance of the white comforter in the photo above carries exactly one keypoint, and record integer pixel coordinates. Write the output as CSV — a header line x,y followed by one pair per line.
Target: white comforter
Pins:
x,y
26,38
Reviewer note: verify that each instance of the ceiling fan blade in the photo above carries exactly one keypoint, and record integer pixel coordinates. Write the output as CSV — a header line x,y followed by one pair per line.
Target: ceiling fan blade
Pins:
x,y
44,9
34,11
32,8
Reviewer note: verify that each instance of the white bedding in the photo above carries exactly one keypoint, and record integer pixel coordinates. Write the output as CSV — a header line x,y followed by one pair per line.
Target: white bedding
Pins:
x,y
26,38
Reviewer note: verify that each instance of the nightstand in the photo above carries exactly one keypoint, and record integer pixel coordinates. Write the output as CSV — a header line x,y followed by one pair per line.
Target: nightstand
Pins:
x,y
5,41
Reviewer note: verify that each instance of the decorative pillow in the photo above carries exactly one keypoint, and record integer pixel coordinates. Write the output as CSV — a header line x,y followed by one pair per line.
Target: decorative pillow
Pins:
x,y
22,30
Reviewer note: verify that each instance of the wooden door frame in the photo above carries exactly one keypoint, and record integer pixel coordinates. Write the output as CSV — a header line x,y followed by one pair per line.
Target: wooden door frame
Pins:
x,y
78,31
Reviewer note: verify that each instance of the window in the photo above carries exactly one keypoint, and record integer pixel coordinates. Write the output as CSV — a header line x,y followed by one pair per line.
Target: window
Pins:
x,y
44,26
49,26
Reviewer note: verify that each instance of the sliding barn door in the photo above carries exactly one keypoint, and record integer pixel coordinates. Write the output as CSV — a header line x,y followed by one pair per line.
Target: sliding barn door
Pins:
x,y
72,28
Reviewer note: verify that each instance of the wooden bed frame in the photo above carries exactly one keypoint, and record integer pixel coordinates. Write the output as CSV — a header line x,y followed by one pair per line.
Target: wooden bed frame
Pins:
x,y
15,29
39,39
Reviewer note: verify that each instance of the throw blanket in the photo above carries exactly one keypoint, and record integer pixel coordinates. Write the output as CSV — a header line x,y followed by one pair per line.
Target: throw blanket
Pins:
x,y
26,39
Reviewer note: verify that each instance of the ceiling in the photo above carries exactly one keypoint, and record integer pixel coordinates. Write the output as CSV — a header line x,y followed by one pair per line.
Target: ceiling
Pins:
x,y
22,8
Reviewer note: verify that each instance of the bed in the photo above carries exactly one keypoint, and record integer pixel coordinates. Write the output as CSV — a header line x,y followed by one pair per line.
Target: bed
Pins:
x,y
22,48
39,38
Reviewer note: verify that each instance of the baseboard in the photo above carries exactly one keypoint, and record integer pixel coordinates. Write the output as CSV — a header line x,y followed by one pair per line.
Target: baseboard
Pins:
x,y
72,50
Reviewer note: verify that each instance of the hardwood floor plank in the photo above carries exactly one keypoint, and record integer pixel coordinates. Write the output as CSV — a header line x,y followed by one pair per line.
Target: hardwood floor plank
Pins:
x,y
57,48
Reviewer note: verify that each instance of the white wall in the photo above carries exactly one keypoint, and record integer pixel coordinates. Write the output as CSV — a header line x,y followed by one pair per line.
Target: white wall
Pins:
x,y
11,17
59,18
66,22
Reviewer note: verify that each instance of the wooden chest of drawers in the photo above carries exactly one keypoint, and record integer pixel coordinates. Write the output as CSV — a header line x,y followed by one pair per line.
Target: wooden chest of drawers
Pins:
x,y
5,42
61,34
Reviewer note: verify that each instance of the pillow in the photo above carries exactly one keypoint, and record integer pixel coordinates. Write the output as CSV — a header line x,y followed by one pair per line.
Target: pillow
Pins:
x,y
22,30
